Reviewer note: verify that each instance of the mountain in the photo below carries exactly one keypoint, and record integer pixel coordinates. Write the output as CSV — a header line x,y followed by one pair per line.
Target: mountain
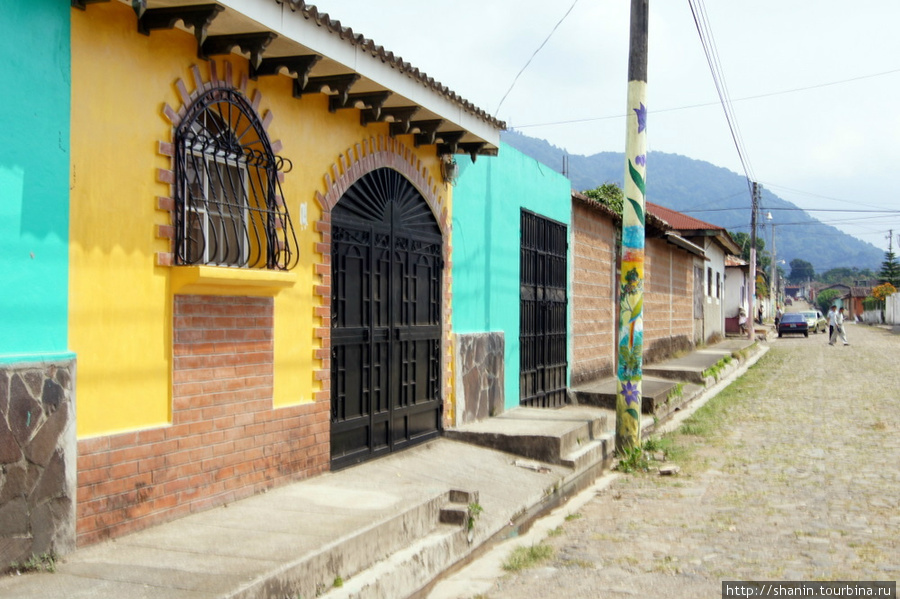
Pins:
x,y
715,195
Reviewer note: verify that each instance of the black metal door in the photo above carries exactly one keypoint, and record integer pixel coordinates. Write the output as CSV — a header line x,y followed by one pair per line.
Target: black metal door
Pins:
x,y
386,319
542,316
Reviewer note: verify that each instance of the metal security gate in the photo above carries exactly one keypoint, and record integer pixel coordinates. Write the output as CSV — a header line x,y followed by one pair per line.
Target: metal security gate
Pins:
x,y
386,319
542,316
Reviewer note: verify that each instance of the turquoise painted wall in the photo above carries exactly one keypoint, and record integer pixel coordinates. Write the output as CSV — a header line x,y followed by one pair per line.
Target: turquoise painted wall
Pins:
x,y
487,204
34,179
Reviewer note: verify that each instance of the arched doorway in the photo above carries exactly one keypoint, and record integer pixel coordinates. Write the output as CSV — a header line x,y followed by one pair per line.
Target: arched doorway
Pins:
x,y
387,268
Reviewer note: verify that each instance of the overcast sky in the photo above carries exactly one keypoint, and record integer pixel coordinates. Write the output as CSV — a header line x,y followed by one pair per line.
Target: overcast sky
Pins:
x,y
815,85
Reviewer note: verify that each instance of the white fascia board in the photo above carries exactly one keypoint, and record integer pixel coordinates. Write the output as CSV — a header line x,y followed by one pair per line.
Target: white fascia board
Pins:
x,y
280,19
684,244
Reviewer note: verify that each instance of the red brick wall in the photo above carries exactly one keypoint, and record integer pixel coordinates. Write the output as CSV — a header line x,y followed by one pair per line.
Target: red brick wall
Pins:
x,y
225,442
593,295
668,300
668,293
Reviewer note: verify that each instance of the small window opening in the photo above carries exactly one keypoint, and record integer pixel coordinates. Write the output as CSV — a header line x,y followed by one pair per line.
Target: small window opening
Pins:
x,y
229,206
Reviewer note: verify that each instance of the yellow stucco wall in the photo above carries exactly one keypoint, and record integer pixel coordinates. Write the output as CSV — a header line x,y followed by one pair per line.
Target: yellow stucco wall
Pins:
x,y
121,302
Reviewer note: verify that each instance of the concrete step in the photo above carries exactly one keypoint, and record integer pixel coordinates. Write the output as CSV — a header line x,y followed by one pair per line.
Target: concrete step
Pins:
x,y
655,392
690,368
457,510
600,450
408,570
677,373
314,573
538,434
417,564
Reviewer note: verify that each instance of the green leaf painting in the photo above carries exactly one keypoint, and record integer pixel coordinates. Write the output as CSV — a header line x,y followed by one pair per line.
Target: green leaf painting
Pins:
x,y
637,178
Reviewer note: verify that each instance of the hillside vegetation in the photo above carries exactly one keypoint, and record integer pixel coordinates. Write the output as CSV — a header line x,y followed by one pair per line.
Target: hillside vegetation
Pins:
x,y
715,195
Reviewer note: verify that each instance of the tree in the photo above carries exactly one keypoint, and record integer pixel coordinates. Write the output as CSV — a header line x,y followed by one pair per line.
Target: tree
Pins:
x,y
608,194
763,259
825,298
884,290
801,271
845,276
890,270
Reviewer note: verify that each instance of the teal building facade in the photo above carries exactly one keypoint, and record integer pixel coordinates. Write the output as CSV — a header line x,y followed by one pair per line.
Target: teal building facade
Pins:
x,y
493,197
34,180
37,369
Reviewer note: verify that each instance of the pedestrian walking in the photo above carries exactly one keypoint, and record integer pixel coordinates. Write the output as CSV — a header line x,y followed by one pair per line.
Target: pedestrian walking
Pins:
x,y
838,328
832,312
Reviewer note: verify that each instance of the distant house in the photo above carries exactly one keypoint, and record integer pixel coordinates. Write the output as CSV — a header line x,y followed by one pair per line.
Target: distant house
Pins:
x,y
793,291
849,297
709,270
857,295
737,291
669,284
842,298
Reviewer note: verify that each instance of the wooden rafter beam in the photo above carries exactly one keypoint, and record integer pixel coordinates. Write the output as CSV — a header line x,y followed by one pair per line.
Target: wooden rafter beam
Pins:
x,y
299,66
198,17
397,115
337,84
253,44
371,101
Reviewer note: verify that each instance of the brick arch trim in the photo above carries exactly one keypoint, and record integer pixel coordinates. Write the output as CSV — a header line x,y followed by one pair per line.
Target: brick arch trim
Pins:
x,y
228,79
378,152
370,154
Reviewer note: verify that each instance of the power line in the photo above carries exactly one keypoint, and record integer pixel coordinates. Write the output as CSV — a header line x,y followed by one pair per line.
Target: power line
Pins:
x,y
701,21
708,104
816,195
695,210
843,221
533,55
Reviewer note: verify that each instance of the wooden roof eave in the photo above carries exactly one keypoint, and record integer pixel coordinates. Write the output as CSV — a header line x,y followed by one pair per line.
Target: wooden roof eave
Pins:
x,y
291,37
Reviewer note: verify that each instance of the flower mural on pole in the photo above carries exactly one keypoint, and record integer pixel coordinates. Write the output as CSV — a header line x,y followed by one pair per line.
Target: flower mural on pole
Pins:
x,y
630,341
631,289
641,113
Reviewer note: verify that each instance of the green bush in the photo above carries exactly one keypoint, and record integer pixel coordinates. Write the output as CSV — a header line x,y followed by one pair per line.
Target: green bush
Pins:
x,y
826,298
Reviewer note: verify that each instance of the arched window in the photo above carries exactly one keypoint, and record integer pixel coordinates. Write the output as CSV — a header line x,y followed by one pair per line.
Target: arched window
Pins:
x,y
229,209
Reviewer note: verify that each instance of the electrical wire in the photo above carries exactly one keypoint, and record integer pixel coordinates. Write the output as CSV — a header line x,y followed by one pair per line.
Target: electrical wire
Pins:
x,y
503,99
701,22
708,104
797,209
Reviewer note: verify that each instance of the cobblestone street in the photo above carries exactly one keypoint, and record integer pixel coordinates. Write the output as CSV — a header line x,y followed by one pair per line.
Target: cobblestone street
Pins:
x,y
800,483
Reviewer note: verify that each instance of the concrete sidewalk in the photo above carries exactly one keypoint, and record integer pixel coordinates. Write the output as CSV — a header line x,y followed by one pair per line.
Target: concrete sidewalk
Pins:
x,y
387,528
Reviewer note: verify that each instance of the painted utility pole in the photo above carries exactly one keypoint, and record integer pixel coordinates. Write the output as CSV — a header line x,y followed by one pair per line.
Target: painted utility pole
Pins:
x,y
754,203
773,277
631,282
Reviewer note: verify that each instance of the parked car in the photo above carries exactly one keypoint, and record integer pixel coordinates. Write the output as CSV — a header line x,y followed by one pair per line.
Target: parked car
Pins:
x,y
793,322
815,320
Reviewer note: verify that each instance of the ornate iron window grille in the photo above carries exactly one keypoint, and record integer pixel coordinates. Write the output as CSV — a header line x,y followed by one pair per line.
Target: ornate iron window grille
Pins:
x,y
229,207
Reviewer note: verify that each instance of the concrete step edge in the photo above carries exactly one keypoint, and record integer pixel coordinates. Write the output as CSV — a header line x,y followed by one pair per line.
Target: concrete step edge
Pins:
x,y
408,570
347,556
572,440
597,450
